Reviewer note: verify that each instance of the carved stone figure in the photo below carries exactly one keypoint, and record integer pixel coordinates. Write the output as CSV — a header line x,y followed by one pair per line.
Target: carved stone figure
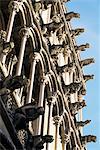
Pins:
x,y
75,87
39,140
65,68
13,83
31,111
74,107
82,123
77,31
72,88
71,15
88,138
88,77
26,113
55,49
82,47
52,26
86,62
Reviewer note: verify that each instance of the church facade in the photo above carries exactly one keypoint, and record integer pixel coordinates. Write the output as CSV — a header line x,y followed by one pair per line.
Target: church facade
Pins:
x,y
42,82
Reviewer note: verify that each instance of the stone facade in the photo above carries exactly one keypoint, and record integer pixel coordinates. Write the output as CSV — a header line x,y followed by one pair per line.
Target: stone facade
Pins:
x,y
42,83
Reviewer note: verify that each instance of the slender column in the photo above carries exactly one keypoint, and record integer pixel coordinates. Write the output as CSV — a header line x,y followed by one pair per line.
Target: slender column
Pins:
x,y
41,98
41,94
65,140
22,49
3,58
66,74
56,120
62,137
80,113
32,72
34,60
50,100
4,69
10,63
14,8
50,104
14,61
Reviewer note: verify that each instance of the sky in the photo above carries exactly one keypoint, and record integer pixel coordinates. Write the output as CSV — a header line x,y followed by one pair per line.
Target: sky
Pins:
x,y
89,11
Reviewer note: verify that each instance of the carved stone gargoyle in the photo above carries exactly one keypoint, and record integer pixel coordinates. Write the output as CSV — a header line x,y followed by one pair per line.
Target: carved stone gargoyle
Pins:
x,y
82,47
13,83
26,113
88,77
86,62
53,26
56,49
71,15
82,123
39,140
77,31
65,68
88,138
73,87
75,107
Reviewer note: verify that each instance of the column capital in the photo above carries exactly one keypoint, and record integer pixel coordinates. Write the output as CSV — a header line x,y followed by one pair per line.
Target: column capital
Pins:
x,y
44,79
25,32
66,138
51,98
56,120
15,5
34,57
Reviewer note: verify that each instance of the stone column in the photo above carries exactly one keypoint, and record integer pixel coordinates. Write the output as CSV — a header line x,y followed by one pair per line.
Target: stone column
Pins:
x,y
56,120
